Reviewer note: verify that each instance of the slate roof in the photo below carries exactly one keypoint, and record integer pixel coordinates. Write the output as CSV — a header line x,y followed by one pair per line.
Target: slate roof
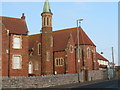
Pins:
x,y
60,38
15,25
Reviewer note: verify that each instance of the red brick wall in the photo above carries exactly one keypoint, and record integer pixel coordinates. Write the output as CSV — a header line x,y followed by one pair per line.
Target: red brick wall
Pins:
x,y
5,56
91,62
36,58
59,69
24,53
71,64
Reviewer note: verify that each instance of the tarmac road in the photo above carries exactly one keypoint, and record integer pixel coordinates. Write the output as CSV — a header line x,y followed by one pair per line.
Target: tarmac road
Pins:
x,y
106,84
114,84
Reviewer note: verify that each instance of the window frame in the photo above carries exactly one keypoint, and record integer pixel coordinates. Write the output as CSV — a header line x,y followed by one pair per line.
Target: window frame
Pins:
x,y
59,61
20,62
47,56
39,48
88,53
17,36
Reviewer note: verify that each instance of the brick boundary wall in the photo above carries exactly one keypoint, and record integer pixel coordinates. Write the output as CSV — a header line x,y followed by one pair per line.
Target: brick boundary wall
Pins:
x,y
97,75
49,80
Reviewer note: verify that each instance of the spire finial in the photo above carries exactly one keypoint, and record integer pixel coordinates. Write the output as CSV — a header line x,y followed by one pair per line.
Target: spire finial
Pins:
x,y
46,6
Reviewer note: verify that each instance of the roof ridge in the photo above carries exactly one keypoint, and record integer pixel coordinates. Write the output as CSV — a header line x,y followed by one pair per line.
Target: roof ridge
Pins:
x,y
10,17
102,56
55,31
64,29
34,34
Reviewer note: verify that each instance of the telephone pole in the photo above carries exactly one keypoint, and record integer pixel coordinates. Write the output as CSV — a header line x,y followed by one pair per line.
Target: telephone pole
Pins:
x,y
113,67
113,57
78,47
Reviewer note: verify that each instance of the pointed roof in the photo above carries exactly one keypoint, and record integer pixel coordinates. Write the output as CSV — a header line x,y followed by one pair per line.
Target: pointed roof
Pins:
x,y
101,57
15,25
46,6
61,37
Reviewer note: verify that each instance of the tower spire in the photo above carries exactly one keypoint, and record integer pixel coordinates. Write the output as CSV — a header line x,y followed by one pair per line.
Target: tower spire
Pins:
x,y
47,40
46,7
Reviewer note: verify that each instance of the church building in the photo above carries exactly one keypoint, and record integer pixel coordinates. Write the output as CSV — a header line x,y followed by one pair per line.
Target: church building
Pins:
x,y
55,52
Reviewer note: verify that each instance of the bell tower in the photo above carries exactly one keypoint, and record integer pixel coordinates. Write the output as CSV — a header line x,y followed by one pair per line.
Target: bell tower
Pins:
x,y
47,40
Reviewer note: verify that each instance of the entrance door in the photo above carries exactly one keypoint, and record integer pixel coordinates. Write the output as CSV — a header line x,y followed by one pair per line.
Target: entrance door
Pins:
x,y
30,68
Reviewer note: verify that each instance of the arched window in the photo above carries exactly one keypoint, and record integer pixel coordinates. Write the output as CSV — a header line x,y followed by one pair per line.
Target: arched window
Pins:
x,y
39,48
47,55
88,53
57,61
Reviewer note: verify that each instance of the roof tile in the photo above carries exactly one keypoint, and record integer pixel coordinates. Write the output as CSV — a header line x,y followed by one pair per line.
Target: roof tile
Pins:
x,y
101,57
15,25
60,38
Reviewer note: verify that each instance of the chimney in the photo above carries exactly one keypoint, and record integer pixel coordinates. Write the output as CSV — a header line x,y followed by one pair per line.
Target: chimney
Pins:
x,y
23,17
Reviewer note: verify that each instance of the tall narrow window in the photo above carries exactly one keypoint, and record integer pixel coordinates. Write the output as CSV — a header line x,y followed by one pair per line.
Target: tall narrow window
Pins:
x,y
47,21
44,21
56,61
47,56
59,61
39,49
88,53
16,42
83,57
80,54
51,41
16,62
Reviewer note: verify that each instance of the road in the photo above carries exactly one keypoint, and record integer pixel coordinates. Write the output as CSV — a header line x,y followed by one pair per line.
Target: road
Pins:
x,y
115,83
105,84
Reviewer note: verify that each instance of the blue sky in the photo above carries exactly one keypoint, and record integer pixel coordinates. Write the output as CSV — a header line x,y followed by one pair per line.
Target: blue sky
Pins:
x,y
100,20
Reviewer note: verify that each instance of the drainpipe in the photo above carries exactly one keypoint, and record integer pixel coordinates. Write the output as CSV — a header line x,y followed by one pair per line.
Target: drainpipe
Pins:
x,y
53,64
8,53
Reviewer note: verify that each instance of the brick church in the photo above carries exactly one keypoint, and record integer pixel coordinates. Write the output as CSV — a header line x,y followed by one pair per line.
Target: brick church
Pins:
x,y
50,52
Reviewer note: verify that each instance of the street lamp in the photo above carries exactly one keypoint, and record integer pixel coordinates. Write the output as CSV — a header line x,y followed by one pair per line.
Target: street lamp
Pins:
x,y
78,25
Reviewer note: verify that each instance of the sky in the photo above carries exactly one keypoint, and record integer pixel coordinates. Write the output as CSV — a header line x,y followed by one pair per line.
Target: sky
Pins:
x,y
100,20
